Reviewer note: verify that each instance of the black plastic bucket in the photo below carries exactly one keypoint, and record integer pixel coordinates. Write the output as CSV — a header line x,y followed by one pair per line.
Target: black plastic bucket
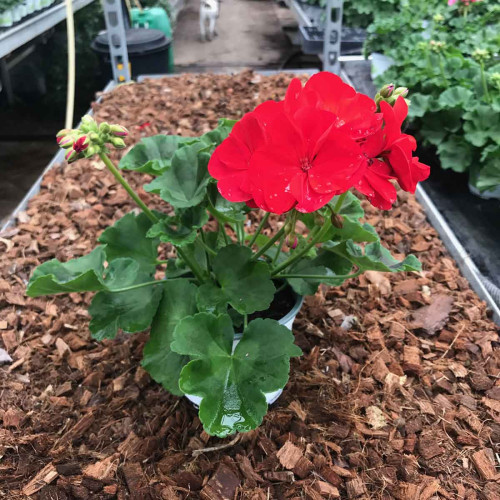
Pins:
x,y
147,52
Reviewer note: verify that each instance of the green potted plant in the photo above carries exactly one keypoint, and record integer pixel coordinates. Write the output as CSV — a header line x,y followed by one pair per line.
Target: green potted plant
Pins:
x,y
221,306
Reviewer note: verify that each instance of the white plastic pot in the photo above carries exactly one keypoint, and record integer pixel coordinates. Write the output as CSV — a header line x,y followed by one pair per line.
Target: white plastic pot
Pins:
x,y
287,321
380,64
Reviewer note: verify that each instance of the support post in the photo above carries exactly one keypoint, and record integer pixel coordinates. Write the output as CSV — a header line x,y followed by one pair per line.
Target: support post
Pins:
x,y
333,35
115,26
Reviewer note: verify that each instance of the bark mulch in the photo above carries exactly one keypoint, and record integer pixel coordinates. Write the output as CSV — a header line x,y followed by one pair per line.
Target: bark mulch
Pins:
x,y
397,395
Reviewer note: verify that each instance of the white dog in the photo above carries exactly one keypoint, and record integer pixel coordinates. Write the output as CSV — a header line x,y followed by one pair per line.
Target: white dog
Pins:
x,y
209,12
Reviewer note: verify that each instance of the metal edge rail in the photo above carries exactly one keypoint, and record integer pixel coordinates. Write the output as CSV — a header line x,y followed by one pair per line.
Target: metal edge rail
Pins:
x,y
451,242
24,32
35,188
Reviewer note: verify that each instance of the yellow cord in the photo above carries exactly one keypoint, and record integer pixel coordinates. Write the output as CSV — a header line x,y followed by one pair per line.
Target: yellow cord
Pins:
x,y
70,100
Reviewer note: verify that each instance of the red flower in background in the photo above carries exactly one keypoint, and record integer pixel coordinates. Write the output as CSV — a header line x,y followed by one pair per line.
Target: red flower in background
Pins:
x,y
321,140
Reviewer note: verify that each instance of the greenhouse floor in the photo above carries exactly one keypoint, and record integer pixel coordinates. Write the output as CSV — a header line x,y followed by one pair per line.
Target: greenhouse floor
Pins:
x,y
403,403
249,35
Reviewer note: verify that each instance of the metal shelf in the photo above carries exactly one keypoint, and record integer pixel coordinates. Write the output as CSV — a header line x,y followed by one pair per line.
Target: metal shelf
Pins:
x,y
21,34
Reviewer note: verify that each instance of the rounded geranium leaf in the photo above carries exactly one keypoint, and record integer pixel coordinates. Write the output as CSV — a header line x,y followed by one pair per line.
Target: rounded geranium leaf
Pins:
x,y
233,385
246,284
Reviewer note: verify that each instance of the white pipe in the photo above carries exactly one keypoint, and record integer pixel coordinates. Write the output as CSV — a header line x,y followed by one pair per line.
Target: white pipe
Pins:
x,y
70,99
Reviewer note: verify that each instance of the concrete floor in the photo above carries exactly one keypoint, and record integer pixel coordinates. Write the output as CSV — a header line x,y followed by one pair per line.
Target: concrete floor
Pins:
x,y
249,35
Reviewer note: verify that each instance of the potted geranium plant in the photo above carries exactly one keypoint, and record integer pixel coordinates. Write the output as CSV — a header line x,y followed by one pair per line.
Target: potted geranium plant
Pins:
x,y
221,312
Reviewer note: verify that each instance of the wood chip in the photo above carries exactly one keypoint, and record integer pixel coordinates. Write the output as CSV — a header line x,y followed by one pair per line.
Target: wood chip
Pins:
x,y
433,317
44,477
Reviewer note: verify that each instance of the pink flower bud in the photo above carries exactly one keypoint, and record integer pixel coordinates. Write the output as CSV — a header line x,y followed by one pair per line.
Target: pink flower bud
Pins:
x,y
292,241
81,144
65,142
72,156
64,132
118,131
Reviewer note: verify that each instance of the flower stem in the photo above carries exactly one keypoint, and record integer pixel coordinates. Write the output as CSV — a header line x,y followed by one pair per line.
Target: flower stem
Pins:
x,y
485,84
317,237
278,250
192,264
209,250
119,177
443,74
259,229
339,203
318,277
269,244
139,285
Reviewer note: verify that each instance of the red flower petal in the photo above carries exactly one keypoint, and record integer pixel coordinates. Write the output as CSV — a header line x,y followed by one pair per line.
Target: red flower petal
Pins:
x,y
376,186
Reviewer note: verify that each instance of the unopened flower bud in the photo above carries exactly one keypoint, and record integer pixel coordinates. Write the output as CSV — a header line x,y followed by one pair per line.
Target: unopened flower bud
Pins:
x,y
118,131
481,55
292,241
337,221
81,144
387,90
117,142
94,136
104,128
91,151
88,124
66,142
72,156
64,132
401,91
438,18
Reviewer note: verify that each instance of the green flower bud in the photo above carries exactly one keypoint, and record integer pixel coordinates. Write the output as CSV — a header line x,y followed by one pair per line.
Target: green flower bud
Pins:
x,y
481,55
387,90
117,142
118,131
88,124
104,128
438,18
401,91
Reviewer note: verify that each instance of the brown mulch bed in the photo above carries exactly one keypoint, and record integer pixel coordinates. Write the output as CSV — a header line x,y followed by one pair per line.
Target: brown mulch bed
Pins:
x,y
397,395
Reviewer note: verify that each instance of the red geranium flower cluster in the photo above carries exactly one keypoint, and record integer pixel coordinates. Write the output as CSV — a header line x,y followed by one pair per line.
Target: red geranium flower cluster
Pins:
x,y
321,140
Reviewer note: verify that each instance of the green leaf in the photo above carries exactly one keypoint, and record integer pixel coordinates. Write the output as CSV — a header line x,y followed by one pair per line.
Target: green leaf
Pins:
x,y
482,124
233,385
420,104
180,229
374,257
152,155
216,136
437,125
489,175
132,310
163,364
355,231
211,298
351,206
184,184
246,284
224,210
84,274
325,264
455,97
455,153
127,237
